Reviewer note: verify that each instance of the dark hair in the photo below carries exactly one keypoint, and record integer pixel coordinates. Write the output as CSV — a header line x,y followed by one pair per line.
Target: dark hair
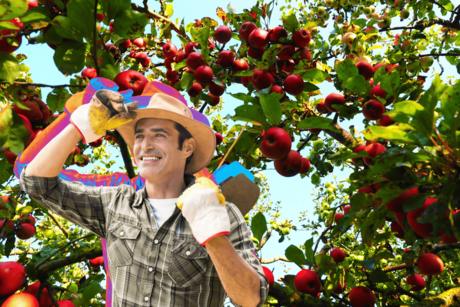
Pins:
x,y
183,135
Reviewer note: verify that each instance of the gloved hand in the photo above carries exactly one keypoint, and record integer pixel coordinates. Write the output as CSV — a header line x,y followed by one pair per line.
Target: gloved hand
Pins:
x,y
105,111
203,206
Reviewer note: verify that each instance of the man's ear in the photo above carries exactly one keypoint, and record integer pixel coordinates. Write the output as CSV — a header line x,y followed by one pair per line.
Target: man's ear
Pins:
x,y
189,147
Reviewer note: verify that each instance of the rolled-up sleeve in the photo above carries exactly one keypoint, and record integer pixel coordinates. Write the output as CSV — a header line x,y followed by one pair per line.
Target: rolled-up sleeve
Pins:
x,y
241,240
82,205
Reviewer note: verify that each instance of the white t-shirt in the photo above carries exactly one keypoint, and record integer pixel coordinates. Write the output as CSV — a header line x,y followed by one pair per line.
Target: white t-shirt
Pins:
x,y
162,209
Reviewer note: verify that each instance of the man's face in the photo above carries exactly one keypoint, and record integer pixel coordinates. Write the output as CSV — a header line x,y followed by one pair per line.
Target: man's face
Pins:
x,y
156,148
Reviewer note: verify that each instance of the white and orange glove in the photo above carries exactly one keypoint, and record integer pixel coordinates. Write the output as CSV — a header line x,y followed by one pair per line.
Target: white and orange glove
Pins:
x,y
105,111
203,206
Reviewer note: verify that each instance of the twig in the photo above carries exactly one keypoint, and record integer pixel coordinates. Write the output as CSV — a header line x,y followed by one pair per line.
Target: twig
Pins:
x,y
66,233
202,107
231,147
319,239
439,54
274,259
124,153
2,230
44,85
95,39
305,142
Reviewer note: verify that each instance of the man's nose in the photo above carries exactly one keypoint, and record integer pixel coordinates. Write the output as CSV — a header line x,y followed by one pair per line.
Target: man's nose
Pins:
x,y
147,144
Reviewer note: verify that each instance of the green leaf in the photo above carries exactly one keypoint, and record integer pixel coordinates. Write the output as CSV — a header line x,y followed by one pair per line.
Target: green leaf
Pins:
x,y
317,122
315,76
9,67
309,250
112,7
187,80
64,27
346,70
70,57
57,99
356,84
450,108
347,155
290,23
108,69
294,254
81,14
130,23
413,203
8,26
244,97
36,14
17,133
180,65
244,73
258,226
271,107
89,293
250,113
12,9
310,87
368,264
169,10
392,133
361,200
378,275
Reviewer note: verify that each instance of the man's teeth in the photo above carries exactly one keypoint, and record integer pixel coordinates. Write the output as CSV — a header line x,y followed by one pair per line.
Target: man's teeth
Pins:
x,y
150,158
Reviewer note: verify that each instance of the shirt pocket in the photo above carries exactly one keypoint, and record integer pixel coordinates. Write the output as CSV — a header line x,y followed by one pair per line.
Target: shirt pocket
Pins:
x,y
123,238
188,263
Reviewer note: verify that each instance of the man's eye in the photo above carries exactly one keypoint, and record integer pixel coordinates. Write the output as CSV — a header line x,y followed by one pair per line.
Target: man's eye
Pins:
x,y
138,136
159,134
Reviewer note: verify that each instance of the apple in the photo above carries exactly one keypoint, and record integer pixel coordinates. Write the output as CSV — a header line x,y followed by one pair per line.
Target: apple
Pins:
x,y
5,199
346,208
356,150
276,143
203,74
139,42
100,17
256,54
27,231
407,46
315,131
45,300
111,26
215,89
12,277
131,79
38,113
30,131
215,100
305,166
426,62
276,33
377,91
191,47
361,296
289,166
96,143
306,281
27,220
294,85
385,21
89,73
258,38
169,50
430,264
287,52
304,55
96,262
194,60
21,300
365,69
288,66
339,289
374,38
225,58
339,19
396,204
448,240
5,46
85,161
404,14
246,29
245,81
386,121
424,230
168,63
322,108
395,227
219,138
348,38
337,217
269,274
373,150
373,110
417,281
142,58
262,79
240,65
223,34
301,38
181,55
367,190
65,303
338,255
9,228
399,218
10,157
112,49
172,75
334,98
195,90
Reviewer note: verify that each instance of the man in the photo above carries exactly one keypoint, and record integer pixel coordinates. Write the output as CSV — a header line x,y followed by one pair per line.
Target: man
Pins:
x,y
158,254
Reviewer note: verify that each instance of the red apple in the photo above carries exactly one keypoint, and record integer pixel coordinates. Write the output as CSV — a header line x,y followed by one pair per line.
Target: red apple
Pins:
x,y
305,166
304,55
276,143
288,66
395,227
27,231
194,60
388,67
240,65
356,150
131,79
203,74
191,47
10,157
338,255
339,289
345,209
332,99
269,274
417,281
386,121
361,296
139,42
223,34
112,49
8,228
169,50
315,131
287,52
27,220
89,73
65,303
5,46
172,75
168,63
215,100
110,27
277,89
289,166
321,107
97,262
258,38
399,218
424,230
142,58
365,69
430,264
21,300
99,17
245,81
307,281
377,91
215,89
294,85
85,161
396,204
225,58
195,90
181,55
301,38
38,113
337,217
246,29
12,277
373,110
45,300
256,54
96,143
276,33
219,138
367,190
373,150
262,79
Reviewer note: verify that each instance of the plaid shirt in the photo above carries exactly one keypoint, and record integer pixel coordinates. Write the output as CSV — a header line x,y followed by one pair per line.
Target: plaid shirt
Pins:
x,y
148,266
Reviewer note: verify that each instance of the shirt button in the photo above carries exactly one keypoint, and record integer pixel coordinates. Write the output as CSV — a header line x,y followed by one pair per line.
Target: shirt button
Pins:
x,y
156,241
150,269
146,298
121,233
187,253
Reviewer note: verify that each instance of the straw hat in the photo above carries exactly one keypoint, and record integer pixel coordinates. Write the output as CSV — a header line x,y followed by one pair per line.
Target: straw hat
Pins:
x,y
164,106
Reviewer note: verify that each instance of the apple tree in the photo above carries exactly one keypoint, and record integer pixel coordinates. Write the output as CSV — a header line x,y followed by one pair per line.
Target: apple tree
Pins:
x,y
385,236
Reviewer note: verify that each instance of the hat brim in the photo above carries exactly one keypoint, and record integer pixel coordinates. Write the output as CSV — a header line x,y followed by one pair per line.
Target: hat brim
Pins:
x,y
204,136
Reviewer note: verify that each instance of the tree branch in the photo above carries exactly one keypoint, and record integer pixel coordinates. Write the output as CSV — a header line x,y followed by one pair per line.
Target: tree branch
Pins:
x,y
43,85
62,262
449,298
289,297
66,233
124,153
274,259
423,24
439,54
95,39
